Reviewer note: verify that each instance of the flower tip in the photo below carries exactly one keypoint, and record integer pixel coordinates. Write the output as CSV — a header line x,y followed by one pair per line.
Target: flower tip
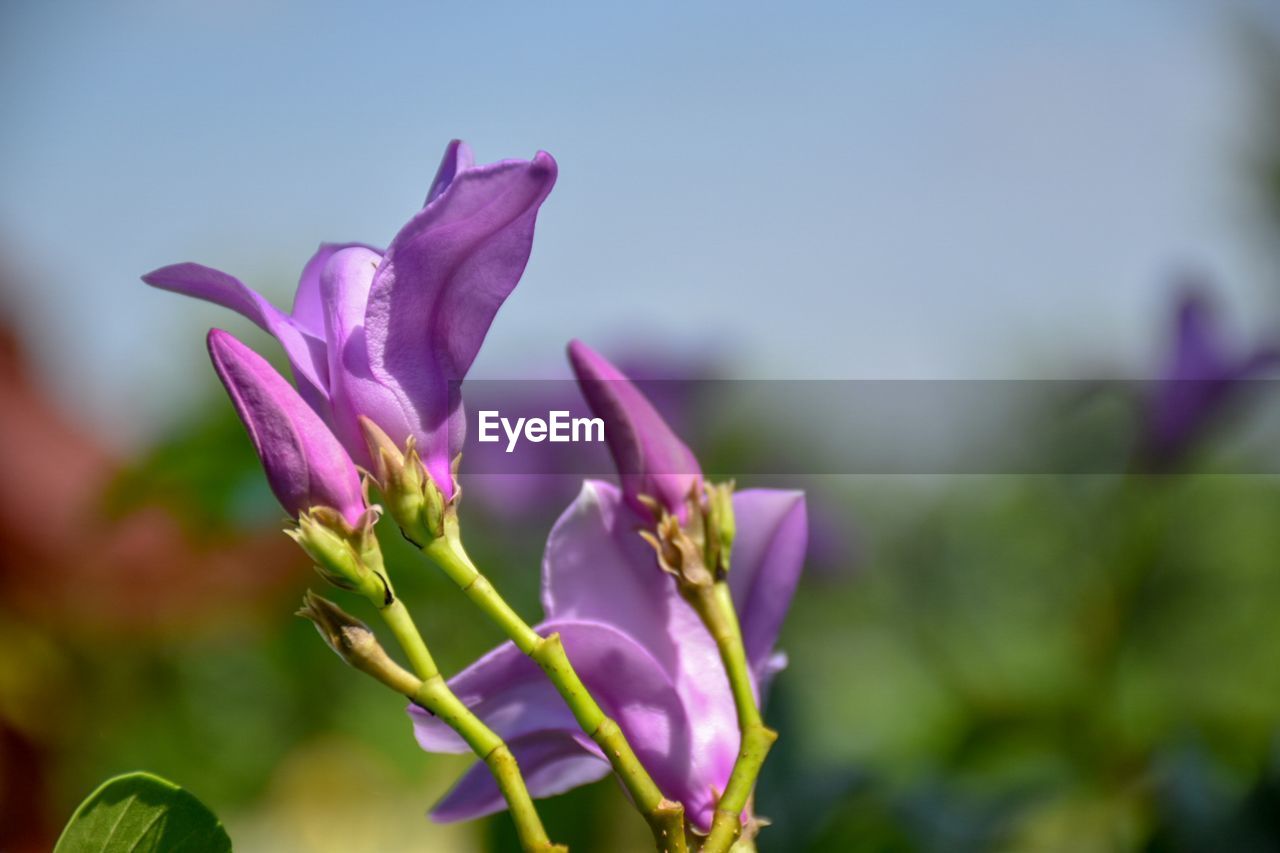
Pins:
x,y
187,278
218,340
546,164
223,348
159,277
588,364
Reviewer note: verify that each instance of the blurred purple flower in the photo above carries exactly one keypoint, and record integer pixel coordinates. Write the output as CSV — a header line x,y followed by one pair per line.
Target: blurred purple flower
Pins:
x,y
384,334
638,646
1203,375
305,464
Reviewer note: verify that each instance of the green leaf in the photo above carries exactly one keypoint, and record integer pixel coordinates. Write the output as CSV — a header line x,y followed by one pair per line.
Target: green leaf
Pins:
x,y
142,813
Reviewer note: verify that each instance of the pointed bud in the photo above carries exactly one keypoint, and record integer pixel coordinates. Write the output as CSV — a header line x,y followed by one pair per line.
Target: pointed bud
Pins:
x,y
305,464
383,451
653,463
355,643
348,557
411,495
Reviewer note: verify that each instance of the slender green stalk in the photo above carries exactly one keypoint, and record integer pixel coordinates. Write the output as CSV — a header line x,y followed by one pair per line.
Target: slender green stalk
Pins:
x,y
434,695
715,607
397,618
357,645
665,817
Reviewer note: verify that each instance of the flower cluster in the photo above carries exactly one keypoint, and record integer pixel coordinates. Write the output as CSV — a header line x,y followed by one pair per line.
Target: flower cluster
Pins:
x,y
638,646
389,334
631,671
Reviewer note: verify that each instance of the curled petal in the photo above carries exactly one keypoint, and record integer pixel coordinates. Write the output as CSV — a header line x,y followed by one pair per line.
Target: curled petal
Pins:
x,y
651,460
440,284
305,464
551,762
305,349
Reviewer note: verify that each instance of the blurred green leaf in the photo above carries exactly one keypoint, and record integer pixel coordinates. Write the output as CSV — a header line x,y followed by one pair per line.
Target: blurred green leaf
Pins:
x,y
139,812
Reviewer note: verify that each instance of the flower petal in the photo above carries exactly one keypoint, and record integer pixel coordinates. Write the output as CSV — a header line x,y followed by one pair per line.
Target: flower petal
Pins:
x,y
439,286
457,158
513,696
768,554
308,301
597,568
651,460
551,763
353,391
306,351
305,464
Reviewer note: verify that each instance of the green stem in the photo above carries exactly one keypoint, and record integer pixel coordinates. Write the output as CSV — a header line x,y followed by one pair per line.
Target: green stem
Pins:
x,y
397,618
715,607
431,692
434,695
665,817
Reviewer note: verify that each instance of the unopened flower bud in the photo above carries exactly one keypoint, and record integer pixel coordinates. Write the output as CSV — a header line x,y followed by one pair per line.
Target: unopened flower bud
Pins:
x,y
305,464
355,643
653,463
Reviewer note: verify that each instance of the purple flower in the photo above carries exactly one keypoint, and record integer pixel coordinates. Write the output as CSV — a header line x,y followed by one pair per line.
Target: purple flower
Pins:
x,y
305,464
639,647
384,334
1201,377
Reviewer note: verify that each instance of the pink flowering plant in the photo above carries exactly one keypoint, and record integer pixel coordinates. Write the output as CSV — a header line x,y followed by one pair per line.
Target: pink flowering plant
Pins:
x,y
663,596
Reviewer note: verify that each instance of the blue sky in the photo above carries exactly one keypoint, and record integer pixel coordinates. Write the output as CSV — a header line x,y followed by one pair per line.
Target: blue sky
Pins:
x,y
844,189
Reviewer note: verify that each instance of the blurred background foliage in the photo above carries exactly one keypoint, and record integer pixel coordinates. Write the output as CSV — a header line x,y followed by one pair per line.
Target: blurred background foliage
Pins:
x,y
1061,663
